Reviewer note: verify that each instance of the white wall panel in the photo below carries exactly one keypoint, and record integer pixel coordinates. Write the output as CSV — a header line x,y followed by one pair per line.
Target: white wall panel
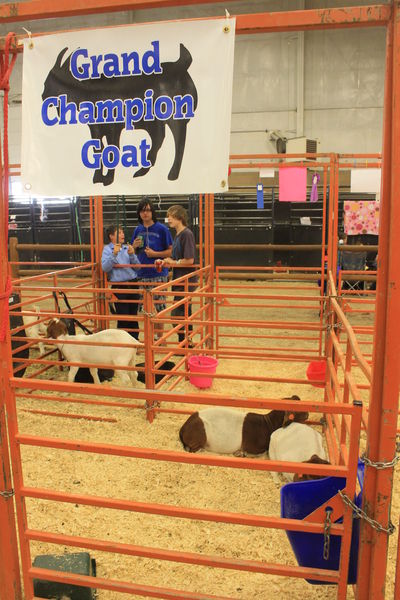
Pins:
x,y
264,73
344,68
346,130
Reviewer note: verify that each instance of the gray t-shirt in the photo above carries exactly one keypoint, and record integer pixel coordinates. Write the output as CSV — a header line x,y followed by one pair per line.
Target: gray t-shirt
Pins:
x,y
184,246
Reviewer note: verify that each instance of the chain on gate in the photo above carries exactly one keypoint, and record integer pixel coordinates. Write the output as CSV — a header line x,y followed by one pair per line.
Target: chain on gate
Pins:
x,y
358,512
327,533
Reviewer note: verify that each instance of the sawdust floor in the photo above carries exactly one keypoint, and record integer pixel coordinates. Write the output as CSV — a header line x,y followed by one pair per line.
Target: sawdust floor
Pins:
x,y
204,487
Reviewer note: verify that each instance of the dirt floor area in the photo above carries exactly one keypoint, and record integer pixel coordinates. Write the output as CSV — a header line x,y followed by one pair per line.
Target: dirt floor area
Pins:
x,y
204,487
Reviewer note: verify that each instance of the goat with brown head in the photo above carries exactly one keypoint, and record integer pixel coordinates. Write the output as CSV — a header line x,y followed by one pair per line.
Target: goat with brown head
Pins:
x,y
229,431
307,476
97,348
55,328
294,417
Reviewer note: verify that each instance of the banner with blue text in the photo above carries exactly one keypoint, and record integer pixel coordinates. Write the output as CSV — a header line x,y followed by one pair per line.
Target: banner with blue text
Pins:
x,y
138,109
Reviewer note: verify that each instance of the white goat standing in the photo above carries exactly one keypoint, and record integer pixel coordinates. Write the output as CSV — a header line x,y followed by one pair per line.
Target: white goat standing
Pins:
x,y
90,353
34,329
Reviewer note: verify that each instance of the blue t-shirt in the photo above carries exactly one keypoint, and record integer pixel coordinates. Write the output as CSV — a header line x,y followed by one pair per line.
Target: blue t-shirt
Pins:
x,y
158,238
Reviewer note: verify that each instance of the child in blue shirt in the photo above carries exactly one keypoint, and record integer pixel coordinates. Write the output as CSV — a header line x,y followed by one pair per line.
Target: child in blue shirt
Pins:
x,y
115,253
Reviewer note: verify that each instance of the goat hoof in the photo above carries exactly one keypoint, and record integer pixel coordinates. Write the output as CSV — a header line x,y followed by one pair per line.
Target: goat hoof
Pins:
x,y
240,454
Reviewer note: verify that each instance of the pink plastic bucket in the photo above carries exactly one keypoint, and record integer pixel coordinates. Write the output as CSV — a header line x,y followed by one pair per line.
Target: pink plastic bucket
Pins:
x,y
201,364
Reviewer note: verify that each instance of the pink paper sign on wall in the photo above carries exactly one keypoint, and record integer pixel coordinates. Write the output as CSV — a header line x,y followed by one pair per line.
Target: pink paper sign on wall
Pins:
x,y
293,184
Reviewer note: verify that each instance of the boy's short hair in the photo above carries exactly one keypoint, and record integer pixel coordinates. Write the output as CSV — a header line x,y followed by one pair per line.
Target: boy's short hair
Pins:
x,y
178,212
110,230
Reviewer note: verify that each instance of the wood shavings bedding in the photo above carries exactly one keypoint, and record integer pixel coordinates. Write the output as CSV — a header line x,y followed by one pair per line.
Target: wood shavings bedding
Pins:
x,y
212,488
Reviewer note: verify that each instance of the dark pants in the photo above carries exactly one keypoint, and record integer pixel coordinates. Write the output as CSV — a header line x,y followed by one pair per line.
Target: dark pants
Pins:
x,y
179,312
129,307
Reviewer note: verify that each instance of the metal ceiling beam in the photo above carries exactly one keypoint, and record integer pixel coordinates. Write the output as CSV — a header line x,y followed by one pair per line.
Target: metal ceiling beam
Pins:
x,y
49,9
299,20
303,20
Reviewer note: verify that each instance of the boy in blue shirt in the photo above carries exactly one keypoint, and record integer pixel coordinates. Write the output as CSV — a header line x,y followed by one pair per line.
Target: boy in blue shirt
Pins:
x,y
152,241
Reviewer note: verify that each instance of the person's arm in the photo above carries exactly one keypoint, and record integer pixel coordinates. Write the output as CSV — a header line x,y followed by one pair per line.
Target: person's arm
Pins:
x,y
108,259
188,249
133,259
158,253
181,262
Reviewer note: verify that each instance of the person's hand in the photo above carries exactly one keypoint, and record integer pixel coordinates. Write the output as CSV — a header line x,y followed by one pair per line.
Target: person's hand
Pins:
x,y
150,253
117,248
159,264
168,261
137,242
131,249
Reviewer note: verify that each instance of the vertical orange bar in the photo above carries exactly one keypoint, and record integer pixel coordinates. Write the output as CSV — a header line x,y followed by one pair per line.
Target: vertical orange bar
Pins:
x,y
335,211
201,250
350,492
212,246
343,431
397,580
216,344
323,242
210,277
385,383
93,268
209,260
201,233
91,228
331,207
9,562
10,586
148,350
206,231
98,249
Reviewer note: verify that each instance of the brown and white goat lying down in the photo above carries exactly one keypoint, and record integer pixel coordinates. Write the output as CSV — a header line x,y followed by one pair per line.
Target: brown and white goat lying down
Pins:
x,y
90,353
229,431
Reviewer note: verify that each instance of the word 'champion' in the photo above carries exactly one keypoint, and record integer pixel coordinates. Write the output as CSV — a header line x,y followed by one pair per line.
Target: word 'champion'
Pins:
x,y
56,110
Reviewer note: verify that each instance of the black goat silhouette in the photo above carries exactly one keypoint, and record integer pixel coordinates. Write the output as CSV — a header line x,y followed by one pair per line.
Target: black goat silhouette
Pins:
x,y
174,80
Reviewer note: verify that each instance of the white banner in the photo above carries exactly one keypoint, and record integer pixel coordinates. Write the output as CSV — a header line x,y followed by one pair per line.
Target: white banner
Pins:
x,y
138,109
365,181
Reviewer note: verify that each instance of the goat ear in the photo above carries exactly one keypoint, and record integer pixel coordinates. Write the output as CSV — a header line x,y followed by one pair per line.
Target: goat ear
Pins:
x,y
60,57
288,419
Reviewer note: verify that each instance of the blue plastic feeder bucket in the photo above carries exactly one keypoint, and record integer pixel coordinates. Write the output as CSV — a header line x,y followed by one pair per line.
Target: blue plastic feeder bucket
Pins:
x,y
299,499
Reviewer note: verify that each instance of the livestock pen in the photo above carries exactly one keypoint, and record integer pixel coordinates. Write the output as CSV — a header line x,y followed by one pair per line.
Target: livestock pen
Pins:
x,y
241,325
246,491
244,321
